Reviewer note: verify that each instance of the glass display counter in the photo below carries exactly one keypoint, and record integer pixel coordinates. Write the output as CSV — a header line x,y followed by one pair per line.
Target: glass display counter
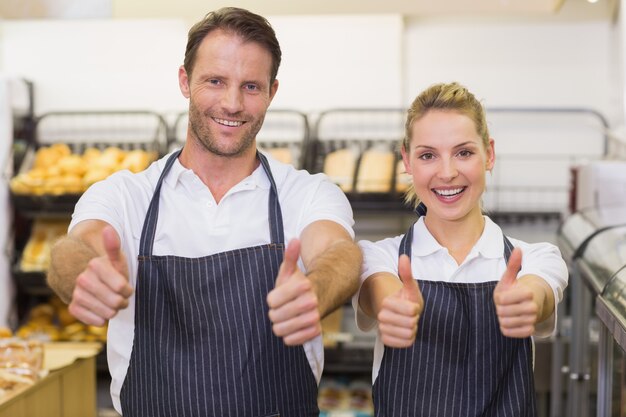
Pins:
x,y
591,242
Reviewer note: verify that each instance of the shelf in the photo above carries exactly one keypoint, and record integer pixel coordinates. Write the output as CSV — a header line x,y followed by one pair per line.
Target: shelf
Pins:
x,y
341,360
32,283
45,205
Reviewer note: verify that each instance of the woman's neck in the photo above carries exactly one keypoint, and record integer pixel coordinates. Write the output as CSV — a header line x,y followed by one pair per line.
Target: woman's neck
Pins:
x,y
458,236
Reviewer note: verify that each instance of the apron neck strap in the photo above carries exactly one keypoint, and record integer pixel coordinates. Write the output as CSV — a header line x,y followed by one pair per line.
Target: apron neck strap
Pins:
x,y
277,232
407,239
148,232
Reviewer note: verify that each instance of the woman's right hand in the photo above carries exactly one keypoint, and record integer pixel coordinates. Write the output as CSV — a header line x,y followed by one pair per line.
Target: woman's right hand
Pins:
x,y
400,312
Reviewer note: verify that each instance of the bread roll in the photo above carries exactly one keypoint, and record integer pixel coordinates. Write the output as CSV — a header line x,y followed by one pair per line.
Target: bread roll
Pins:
x,y
281,154
72,165
339,166
375,172
135,161
5,332
94,175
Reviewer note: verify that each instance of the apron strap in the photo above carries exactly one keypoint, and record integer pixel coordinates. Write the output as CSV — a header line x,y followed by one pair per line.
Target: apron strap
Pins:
x,y
148,232
149,225
277,232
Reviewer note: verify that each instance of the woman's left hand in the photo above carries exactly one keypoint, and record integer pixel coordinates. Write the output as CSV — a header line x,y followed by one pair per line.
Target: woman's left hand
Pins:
x,y
517,305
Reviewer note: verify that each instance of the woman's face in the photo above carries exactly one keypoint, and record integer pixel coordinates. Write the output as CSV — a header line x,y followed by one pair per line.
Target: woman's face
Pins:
x,y
448,161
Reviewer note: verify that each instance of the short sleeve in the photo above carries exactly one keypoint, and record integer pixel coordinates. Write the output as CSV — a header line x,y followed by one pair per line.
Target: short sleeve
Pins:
x,y
328,202
101,202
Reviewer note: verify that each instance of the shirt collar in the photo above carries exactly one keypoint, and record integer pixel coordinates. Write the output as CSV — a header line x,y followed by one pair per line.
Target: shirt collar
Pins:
x,y
178,172
489,245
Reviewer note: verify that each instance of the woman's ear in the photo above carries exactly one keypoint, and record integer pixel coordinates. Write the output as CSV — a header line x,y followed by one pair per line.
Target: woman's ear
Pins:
x,y
491,155
405,159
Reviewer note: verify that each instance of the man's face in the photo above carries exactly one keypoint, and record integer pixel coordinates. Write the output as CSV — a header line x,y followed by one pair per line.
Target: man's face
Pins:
x,y
229,92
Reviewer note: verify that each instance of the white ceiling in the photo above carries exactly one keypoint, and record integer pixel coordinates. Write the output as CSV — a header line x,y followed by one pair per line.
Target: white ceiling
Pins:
x,y
191,9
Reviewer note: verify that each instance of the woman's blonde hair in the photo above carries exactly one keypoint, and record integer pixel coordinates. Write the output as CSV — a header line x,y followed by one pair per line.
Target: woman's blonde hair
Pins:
x,y
444,96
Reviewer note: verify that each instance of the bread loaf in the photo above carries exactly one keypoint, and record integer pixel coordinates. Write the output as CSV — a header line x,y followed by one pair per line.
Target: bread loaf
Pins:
x,y
375,172
339,166
281,154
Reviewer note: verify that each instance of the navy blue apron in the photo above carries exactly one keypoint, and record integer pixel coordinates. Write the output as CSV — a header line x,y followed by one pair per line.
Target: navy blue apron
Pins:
x,y
203,343
460,364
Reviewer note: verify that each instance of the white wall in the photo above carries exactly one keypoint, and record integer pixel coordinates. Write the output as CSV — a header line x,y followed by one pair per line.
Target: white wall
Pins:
x,y
339,61
328,61
97,64
515,63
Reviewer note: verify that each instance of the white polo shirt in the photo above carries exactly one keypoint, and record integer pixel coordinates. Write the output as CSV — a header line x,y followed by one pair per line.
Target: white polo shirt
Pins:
x,y
485,262
192,225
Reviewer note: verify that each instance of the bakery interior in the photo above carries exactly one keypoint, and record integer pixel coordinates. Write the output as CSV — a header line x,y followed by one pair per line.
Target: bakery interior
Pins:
x,y
88,87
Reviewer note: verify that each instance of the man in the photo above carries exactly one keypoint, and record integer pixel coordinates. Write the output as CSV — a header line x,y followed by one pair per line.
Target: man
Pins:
x,y
187,259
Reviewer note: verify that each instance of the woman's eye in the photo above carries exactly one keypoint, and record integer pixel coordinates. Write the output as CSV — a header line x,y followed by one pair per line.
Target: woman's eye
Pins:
x,y
426,156
465,153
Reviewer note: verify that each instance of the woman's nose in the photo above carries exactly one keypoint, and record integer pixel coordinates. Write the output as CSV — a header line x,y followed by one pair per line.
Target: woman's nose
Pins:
x,y
448,170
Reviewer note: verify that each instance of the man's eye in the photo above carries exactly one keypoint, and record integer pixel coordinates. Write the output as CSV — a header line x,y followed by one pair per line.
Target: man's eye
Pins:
x,y
214,81
251,87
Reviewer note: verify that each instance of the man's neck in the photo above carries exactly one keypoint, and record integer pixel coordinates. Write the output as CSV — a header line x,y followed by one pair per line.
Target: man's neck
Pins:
x,y
218,173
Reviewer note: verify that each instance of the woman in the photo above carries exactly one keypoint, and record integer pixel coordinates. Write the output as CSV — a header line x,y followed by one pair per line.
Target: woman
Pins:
x,y
455,341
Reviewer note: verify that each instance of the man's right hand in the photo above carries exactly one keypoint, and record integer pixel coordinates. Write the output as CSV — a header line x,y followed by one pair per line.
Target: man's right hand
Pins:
x,y
400,312
102,289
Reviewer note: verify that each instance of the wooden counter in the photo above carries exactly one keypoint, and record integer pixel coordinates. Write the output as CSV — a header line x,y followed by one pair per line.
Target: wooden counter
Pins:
x,y
69,390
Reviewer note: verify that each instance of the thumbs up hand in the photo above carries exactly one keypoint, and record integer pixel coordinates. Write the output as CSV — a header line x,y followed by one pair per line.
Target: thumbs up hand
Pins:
x,y
400,311
293,302
102,289
516,306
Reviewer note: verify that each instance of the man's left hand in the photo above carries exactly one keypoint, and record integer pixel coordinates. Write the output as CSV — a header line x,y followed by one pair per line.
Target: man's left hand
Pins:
x,y
293,302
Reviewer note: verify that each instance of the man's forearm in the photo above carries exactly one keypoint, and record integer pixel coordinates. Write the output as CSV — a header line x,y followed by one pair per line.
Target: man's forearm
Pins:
x,y
335,275
69,258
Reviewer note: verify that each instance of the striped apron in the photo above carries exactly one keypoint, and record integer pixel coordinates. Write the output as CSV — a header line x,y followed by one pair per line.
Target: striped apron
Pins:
x,y
460,364
203,343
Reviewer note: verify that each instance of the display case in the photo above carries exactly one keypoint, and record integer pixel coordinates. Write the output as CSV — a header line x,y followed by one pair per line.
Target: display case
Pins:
x,y
611,309
578,229
602,257
597,266
359,150
584,254
83,133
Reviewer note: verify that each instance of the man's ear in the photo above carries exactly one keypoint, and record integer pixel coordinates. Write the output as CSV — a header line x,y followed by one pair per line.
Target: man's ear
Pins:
x,y
273,89
183,81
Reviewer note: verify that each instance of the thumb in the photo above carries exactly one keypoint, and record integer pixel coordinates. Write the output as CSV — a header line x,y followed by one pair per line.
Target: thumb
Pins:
x,y
410,289
512,268
290,260
112,247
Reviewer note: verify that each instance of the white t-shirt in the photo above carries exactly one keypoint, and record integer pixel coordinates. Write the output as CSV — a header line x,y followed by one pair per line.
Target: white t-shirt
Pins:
x,y
485,262
191,224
